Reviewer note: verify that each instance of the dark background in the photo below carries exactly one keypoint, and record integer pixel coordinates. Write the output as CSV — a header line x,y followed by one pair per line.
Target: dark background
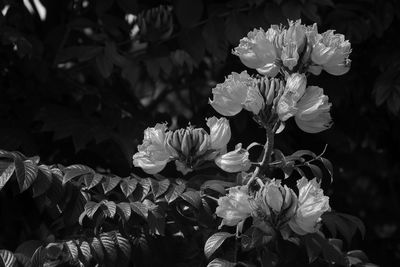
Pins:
x,y
77,87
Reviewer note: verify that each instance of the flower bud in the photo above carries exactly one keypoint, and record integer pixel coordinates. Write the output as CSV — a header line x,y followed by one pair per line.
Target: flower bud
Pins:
x,y
234,161
220,132
313,111
311,205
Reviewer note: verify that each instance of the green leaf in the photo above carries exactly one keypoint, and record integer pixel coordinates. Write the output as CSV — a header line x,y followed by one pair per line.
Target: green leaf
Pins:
x,y
38,257
92,179
91,208
188,12
125,209
97,248
123,245
193,198
140,208
313,248
214,242
74,171
8,258
6,171
73,249
328,166
111,208
26,173
85,251
109,183
128,186
22,260
159,187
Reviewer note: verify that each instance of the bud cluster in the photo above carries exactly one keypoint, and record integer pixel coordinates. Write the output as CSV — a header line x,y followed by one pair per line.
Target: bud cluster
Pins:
x,y
155,24
189,148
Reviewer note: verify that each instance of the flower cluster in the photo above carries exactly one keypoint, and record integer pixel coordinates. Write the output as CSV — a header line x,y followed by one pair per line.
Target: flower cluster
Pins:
x,y
293,52
189,148
276,207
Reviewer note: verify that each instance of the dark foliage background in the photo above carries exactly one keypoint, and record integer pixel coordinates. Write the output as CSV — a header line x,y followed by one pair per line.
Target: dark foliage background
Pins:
x,y
81,84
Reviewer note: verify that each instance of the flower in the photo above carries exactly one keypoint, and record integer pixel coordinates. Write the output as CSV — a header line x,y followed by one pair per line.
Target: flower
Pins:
x,y
220,132
311,205
313,111
331,51
294,40
258,49
152,155
294,90
235,207
234,161
238,91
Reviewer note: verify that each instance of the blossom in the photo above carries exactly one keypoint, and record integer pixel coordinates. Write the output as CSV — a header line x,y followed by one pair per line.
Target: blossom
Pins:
x,y
238,91
313,111
234,161
258,49
294,40
220,132
152,155
294,90
235,207
331,51
311,205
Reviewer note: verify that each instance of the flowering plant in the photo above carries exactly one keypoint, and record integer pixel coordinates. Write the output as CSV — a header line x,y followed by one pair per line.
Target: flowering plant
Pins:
x,y
269,217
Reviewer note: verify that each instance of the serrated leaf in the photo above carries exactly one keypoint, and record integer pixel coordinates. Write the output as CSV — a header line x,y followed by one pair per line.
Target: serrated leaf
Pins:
x,y
214,242
123,245
92,179
109,183
6,171
75,170
109,246
8,258
43,181
125,209
159,187
128,186
145,186
140,208
193,198
174,192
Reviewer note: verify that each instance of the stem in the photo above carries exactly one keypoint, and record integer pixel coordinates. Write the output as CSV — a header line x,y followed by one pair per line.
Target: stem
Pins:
x,y
266,156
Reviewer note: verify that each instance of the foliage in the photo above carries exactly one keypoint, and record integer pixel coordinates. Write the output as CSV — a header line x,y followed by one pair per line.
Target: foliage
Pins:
x,y
81,85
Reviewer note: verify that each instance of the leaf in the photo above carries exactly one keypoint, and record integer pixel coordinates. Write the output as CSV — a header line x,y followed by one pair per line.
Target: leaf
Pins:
x,y
85,251
193,198
91,208
313,248
22,260
128,186
43,181
26,173
188,12
125,209
6,171
159,187
110,182
316,171
139,208
217,185
356,221
73,249
214,242
330,252
38,257
74,171
123,245
109,246
91,180
146,186
111,208
97,248
220,263
174,192
8,258
328,166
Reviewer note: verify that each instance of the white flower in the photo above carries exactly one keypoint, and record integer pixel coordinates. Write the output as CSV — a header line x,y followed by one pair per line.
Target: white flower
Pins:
x,y
311,205
235,207
294,40
258,48
152,155
294,90
234,161
313,111
331,51
220,132
238,91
